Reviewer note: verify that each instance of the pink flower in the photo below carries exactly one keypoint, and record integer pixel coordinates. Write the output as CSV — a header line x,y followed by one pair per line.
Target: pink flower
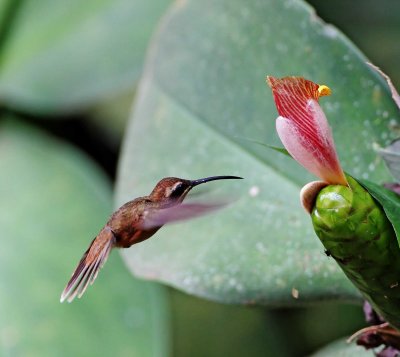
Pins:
x,y
303,127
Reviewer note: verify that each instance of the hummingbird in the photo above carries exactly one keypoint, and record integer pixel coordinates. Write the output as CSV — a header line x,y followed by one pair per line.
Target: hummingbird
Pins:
x,y
136,221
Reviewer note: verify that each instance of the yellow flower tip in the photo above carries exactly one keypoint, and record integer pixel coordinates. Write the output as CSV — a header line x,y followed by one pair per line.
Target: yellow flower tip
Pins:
x,y
324,90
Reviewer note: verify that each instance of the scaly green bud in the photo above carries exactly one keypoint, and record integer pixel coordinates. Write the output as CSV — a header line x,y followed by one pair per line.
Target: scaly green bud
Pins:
x,y
356,232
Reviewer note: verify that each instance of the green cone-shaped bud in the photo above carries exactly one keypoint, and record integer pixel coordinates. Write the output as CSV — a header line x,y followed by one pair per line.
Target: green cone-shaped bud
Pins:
x,y
357,234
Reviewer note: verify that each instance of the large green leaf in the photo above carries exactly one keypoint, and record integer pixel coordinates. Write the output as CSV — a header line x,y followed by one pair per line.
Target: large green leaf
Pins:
x,y
203,91
53,201
75,54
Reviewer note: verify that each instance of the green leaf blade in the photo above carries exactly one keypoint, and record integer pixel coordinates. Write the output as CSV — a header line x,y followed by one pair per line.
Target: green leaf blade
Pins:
x,y
208,91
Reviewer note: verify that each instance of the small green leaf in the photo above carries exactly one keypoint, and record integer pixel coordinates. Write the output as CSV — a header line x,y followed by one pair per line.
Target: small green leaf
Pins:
x,y
279,149
389,200
53,202
282,150
76,54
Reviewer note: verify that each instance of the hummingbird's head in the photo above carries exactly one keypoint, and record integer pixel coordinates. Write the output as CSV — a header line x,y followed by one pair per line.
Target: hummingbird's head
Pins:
x,y
173,190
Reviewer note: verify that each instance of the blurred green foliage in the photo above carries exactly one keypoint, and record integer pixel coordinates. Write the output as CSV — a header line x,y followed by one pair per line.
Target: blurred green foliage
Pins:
x,y
53,200
79,53
68,72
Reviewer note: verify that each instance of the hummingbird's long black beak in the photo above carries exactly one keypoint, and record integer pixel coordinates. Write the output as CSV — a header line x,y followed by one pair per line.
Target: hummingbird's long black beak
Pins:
x,y
213,178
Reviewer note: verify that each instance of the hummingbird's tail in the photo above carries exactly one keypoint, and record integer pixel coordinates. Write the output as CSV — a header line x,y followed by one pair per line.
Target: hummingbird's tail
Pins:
x,y
89,266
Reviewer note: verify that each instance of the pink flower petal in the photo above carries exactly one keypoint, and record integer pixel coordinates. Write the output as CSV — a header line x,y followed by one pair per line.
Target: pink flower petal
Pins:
x,y
303,127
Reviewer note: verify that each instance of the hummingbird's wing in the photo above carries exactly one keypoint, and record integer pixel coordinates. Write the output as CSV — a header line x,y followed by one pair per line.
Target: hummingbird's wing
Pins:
x,y
89,266
181,212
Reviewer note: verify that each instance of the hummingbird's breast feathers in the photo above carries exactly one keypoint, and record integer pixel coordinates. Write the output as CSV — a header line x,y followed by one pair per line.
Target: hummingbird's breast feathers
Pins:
x,y
127,222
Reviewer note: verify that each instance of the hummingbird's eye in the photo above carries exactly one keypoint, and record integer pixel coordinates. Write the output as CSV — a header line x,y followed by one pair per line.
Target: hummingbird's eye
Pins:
x,y
178,190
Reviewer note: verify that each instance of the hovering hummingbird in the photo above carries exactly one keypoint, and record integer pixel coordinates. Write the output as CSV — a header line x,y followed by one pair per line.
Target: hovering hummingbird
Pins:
x,y
136,221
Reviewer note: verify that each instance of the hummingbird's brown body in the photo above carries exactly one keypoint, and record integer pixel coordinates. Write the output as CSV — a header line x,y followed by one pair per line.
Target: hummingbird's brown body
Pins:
x,y
134,222
133,212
